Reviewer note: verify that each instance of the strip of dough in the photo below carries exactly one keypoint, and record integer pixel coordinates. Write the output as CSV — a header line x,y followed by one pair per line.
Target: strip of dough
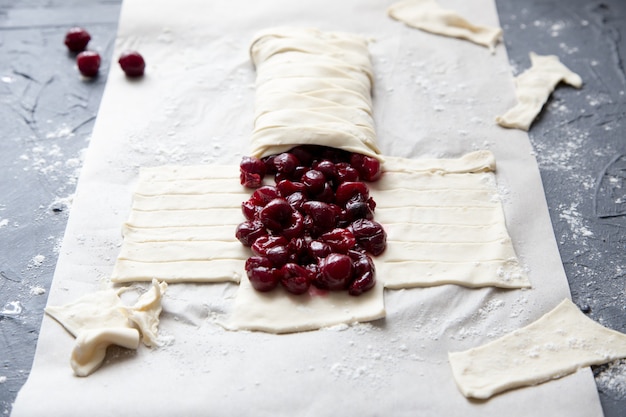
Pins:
x,y
429,16
533,88
559,343
314,88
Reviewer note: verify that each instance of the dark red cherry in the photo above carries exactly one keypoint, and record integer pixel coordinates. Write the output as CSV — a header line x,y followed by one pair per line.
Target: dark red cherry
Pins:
x,y
370,235
364,273
295,278
322,214
250,210
314,181
132,63
264,194
327,168
295,227
277,255
276,214
296,200
251,172
335,272
327,195
358,208
367,166
303,154
261,245
249,231
347,190
76,39
286,163
286,187
261,274
346,173
263,279
88,63
319,249
339,240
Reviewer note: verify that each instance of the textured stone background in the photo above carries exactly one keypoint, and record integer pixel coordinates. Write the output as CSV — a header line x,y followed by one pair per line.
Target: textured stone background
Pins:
x,y
47,114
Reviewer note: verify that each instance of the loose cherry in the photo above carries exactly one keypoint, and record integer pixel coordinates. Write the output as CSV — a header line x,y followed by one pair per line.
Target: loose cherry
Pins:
x,y
76,39
132,63
251,171
88,63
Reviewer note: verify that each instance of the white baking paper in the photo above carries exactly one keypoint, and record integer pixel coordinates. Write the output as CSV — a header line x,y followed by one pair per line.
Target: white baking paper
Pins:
x,y
434,97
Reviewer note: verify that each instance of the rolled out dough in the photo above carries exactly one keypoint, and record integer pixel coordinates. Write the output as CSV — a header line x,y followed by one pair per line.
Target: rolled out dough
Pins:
x,y
429,16
559,343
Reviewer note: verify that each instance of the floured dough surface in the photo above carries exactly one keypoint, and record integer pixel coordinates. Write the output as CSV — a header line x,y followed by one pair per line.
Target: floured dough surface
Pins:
x,y
429,16
533,88
312,87
182,226
445,224
559,343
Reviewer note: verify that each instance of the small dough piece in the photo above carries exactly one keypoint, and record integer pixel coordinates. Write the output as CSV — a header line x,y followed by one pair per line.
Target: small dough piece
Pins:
x,y
558,344
91,346
100,319
429,16
533,88
314,88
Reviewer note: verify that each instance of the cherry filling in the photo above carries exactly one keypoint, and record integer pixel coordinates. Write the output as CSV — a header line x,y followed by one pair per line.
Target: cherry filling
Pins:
x,y
315,226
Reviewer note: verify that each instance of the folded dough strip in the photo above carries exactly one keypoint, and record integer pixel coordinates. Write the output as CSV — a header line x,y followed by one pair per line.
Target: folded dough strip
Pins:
x,y
297,70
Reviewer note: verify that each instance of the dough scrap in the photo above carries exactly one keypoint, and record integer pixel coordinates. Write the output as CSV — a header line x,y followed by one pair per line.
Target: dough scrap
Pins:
x,y
533,88
91,346
100,319
312,87
558,344
429,16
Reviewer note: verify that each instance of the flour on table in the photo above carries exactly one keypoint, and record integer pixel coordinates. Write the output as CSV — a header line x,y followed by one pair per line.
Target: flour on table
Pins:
x,y
559,343
429,16
533,88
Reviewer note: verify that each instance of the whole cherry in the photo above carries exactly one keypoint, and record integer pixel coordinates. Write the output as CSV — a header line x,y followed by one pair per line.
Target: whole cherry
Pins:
x,y
76,39
88,63
132,63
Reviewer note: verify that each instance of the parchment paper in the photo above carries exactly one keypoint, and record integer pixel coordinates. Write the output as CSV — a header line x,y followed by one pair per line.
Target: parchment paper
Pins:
x,y
434,97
